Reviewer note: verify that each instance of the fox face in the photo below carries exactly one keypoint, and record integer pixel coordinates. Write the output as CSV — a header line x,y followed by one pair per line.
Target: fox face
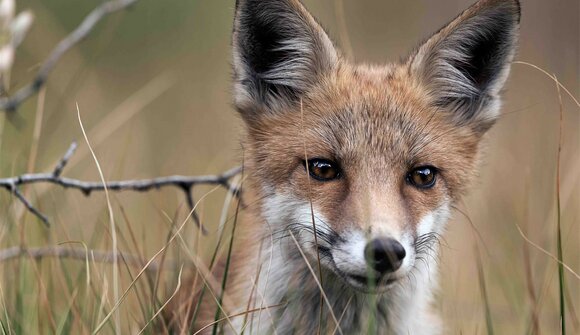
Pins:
x,y
361,164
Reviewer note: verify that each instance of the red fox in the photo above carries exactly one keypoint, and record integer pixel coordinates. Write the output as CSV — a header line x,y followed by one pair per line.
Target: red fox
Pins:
x,y
352,171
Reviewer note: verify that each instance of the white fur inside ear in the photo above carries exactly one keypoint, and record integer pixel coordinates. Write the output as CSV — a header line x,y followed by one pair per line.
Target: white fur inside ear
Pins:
x,y
466,64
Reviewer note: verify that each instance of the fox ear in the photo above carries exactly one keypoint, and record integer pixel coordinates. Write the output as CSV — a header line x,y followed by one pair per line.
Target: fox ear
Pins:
x,y
465,65
279,52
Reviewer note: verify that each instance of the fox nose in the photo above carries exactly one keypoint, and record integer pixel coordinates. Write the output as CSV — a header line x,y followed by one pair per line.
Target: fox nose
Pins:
x,y
384,255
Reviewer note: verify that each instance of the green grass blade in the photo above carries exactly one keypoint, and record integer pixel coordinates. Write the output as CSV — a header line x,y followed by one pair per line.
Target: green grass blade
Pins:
x,y
204,287
559,219
65,324
484,295
3,328
226,270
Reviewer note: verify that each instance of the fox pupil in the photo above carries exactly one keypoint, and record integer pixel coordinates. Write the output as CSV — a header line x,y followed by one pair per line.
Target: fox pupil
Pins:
x,y
423,177
322,169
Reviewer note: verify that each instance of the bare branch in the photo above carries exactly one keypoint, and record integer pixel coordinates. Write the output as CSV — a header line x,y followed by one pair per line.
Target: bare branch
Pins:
x,y
29,206
184,183
11,103
80,254
64,160
142,185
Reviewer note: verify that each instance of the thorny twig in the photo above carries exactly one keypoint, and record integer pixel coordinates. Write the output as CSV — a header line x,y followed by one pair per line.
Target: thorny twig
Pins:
x,y
11,103
185,183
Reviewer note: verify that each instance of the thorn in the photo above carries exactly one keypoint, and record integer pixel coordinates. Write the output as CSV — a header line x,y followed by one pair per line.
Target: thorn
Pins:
x,y
190,202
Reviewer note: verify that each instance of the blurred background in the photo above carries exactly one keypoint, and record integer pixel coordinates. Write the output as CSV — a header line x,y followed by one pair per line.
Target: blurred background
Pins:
x,y
153,87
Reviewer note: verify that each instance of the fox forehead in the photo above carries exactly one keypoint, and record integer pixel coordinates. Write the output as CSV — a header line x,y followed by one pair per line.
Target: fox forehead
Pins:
x,y
375,122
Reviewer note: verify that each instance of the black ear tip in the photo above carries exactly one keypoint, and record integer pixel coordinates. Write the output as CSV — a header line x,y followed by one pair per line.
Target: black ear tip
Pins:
x,y
516,9
512,8
519,10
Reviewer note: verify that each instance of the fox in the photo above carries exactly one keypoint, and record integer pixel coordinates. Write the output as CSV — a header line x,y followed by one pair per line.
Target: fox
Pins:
x,y
351,172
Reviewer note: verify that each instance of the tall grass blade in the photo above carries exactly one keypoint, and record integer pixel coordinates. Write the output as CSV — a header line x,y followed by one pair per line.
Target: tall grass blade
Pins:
x,y
6,316
3,328
315,277
116,290
65,324
164,304
534,323
483,289
151,260
20,310
559,219
205,287
315,231
227,267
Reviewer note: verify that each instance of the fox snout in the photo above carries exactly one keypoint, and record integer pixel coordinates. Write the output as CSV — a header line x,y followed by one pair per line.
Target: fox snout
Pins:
x,y
384,255
369,263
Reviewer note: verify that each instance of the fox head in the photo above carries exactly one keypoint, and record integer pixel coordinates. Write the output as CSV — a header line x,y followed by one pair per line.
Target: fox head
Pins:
x,y
367,159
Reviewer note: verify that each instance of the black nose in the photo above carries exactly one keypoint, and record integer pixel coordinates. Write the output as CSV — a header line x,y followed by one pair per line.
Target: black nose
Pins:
x,y
384,254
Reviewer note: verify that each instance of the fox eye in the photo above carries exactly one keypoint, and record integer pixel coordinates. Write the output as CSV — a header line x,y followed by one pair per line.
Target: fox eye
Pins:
x,y
422,177
322,169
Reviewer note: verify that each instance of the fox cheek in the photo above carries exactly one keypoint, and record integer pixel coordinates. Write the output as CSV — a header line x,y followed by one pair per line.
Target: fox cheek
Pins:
x,y
434,221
